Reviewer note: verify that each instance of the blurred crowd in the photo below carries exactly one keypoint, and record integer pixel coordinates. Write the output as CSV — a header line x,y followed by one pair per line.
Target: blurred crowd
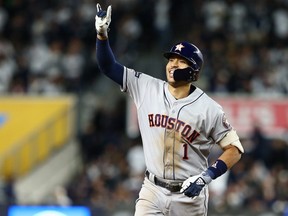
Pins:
x,y
48,48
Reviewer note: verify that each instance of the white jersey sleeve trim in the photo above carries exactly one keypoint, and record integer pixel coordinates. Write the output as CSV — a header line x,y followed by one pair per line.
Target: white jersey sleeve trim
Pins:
x,y
233,139
124,87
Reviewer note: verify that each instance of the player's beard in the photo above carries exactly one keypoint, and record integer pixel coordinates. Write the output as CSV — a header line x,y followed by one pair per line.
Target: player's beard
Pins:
x,y
179,89
177,84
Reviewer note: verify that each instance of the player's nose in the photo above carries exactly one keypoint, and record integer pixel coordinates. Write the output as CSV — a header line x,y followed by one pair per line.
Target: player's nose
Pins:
x,y
174,63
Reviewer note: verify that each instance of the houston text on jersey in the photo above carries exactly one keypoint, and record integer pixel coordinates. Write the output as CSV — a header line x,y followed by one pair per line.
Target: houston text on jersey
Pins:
x,y
164,121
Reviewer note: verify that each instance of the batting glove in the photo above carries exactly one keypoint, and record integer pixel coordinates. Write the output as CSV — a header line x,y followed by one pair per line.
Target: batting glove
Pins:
x,y
103,20
192,186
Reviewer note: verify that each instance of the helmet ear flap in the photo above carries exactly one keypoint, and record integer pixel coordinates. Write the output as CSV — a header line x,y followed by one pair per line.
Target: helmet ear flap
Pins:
x,y
194,66
194,76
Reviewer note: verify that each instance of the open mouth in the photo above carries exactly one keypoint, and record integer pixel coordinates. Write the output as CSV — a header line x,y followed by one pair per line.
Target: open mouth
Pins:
x,y
171,72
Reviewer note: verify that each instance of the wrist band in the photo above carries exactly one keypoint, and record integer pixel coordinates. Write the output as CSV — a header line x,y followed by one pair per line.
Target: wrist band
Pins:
x,y
217,169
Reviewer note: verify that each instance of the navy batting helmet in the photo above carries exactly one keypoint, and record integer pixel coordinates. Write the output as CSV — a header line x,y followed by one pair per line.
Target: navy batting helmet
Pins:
x,y
189,52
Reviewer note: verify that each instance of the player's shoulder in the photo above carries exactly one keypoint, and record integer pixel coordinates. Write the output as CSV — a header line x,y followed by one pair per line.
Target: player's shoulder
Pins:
x,y
137,75
209,101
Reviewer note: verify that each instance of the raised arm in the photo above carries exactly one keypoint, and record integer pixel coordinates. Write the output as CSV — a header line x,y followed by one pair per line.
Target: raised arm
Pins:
x,y
104,55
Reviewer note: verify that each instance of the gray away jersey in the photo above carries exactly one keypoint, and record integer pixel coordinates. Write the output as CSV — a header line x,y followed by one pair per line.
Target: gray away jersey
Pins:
x,y
178,134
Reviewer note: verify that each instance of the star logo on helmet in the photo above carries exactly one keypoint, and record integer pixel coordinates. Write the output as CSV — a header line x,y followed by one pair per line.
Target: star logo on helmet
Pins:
x,y
179,47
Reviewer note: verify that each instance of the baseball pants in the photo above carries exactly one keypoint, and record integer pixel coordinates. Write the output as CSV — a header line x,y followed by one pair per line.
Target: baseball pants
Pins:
x,y
156,200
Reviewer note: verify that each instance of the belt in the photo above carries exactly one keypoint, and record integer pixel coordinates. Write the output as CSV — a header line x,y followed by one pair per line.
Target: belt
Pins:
x,y
171,185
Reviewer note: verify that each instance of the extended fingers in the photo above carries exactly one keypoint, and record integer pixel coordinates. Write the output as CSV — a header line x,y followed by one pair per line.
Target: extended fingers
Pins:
x,y
102,13
98,7
109,10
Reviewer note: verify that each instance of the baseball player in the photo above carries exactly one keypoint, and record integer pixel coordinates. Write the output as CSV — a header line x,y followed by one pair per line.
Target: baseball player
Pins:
x,y
179,125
